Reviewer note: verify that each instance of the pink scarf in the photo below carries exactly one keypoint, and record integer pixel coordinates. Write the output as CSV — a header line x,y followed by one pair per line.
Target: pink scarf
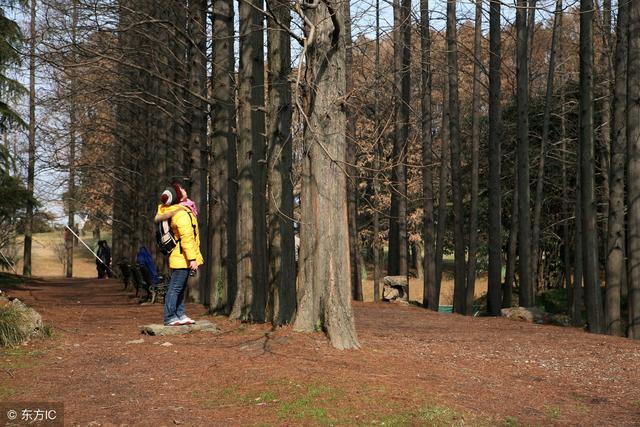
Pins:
x,y
191,205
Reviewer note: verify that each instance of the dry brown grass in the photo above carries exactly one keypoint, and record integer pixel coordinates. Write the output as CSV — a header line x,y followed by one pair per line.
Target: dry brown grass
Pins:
x,y
416,289
46,262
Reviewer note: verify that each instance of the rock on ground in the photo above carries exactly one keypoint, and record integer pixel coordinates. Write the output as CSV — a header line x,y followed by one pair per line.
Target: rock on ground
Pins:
x,y
157,329
26,322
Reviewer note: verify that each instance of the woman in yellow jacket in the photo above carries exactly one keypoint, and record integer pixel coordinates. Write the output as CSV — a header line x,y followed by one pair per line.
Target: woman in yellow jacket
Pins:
x,y
186,257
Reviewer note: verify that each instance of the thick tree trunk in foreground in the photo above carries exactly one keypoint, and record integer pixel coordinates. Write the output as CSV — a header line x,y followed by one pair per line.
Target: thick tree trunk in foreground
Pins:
x,y
223,169
633,166
615,263
456,166
282,267
593,298
495,134
428,233
325,297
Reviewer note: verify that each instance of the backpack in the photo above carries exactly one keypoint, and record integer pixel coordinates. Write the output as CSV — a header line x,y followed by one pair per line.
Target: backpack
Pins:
x,y
165,238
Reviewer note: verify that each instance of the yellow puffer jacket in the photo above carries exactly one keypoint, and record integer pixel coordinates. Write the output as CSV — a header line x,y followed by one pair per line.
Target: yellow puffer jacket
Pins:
x,y
185,227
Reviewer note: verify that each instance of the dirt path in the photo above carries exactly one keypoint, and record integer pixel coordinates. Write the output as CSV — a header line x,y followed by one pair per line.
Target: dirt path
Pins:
x,y
415,368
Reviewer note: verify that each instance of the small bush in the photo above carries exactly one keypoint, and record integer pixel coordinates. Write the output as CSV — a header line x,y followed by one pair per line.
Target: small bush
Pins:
x,y
553,301
14,331
10,333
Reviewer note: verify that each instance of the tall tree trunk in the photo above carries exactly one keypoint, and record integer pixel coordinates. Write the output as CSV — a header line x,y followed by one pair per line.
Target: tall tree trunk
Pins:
x,y
633,166
524,214
198,289
352,179
398,242
531,30
71,193
223,168
176,63
252,252
393,253
593,298
475,160
442,196
31,163
376,166
546,122
495,135
616,227
428,233
512,246
456,178
604,87
282,267
577,303
324,277
566,237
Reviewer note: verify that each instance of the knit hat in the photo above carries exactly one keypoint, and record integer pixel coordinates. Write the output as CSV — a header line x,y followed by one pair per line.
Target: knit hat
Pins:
x,y
169,196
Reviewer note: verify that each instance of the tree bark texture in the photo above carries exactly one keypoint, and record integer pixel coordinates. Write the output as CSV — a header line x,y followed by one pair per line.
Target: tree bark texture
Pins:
x,y
593,298
475,162
282,264
495,135
524,214
198,289
376,166
546,121
428,233
222,168
31,162
251,294
352,178
633,166
325,297
615,263
398,242
459,293
71,193
442,191
512,246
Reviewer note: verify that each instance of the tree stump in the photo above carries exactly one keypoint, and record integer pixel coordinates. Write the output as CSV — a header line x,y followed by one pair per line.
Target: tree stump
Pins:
x,y
396,288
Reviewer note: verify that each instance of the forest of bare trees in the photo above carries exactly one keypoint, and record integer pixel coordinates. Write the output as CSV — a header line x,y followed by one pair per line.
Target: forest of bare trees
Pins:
x,y
473,140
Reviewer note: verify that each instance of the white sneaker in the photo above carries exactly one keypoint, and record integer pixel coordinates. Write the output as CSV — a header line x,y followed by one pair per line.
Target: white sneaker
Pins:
x,y
184,320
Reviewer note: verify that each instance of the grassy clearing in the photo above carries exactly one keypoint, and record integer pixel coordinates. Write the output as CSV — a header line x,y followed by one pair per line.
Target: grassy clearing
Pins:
x,y
6,392
48,254
323,404
20,358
